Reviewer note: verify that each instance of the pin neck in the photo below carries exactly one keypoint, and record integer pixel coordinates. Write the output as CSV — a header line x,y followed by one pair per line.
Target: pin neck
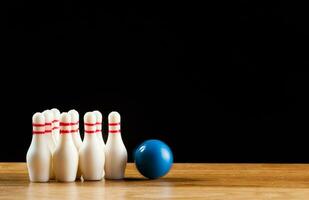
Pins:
x,y
65,132
75,131
89,132
114,136
38,132
65,128
65,138
114,124
99,127
88,137
114,131
39,140
114,128
90,128
38,129
56,128
55,125
75,127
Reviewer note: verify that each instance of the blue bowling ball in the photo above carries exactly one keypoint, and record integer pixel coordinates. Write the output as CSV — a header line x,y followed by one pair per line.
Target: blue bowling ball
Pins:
x,y
153,158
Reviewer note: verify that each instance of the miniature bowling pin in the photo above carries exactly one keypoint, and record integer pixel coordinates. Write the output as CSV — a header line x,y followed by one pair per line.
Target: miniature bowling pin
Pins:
x,y
76,134
91,156
48,134
39,157
115,151
99,133
56,119
48,129
75,129
65,156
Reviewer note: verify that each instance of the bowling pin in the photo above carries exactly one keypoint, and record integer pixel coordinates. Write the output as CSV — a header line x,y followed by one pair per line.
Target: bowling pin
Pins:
x,y
65,156
90,153
75,134
115,151
39,157
56,128
48,129
99,133
48,134
75,129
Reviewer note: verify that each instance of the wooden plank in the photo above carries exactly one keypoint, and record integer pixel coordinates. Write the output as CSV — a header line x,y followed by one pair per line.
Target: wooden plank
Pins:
x,y
185,181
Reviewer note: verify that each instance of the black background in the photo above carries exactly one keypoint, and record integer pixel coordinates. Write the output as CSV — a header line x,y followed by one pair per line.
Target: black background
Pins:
x,y
219,82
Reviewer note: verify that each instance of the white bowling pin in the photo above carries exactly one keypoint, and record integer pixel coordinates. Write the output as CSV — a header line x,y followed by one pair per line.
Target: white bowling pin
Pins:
x,y
56,127
115,152
76,134
65,156
48,134
75,129
48,129
39,157
91,156
99,133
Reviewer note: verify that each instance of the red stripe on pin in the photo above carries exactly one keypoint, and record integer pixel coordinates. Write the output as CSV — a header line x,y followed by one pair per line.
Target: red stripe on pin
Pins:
x,y
48,131
54,121
114,131
89,132
57,127
65,124
98,130
114,124
38,125
74,123
65,131
89,124
38,132
73,131
48,124
98,123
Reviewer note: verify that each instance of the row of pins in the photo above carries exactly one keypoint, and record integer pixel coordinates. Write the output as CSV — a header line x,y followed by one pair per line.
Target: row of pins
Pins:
x,y
58,152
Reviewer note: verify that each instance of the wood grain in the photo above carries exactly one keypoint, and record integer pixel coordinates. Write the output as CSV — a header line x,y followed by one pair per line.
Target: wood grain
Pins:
x,y
185,181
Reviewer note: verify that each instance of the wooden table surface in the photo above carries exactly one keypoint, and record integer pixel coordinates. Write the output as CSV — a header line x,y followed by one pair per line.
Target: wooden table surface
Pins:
x,y
185,181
